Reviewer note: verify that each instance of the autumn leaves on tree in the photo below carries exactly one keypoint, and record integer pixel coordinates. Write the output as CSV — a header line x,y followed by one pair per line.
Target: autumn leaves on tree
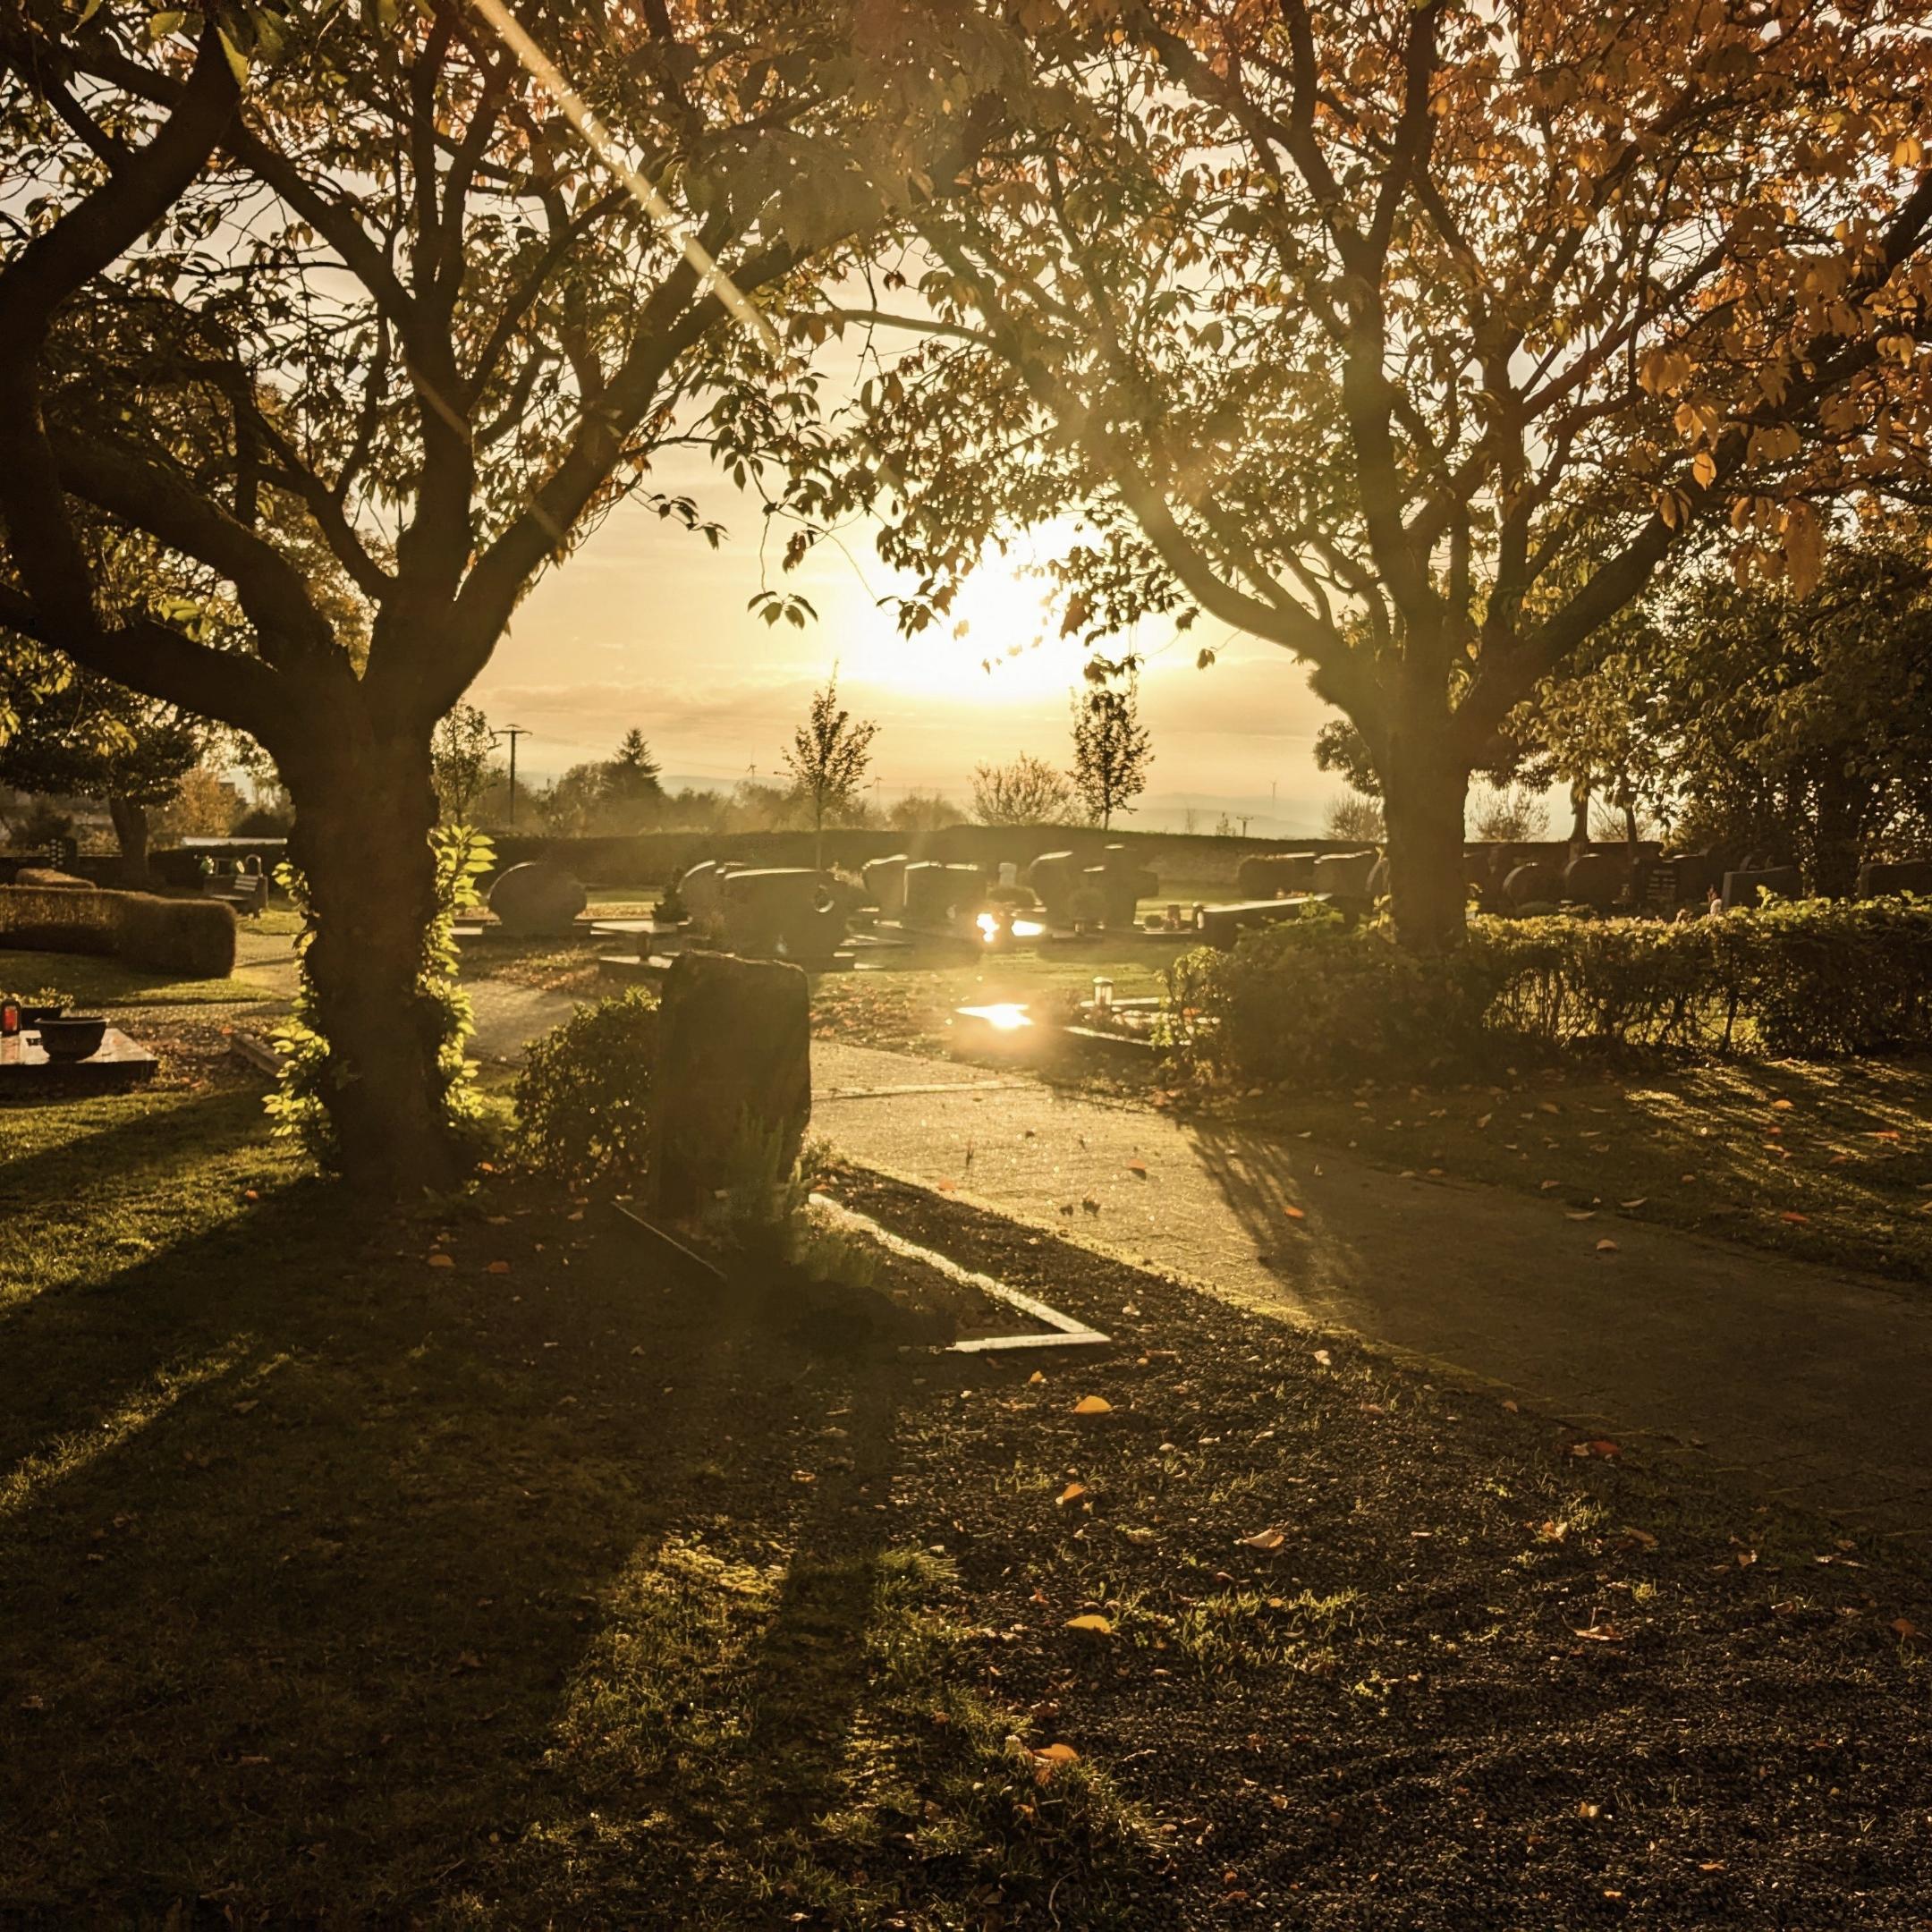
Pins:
x,y
1412,339
1415,338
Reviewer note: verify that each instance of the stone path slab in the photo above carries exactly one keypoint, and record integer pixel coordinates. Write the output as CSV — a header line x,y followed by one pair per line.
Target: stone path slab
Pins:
x,y
1816,1383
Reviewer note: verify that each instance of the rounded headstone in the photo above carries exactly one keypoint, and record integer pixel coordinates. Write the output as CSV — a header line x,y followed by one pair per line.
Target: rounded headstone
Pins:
x,y
536,900
1530,885
1593,880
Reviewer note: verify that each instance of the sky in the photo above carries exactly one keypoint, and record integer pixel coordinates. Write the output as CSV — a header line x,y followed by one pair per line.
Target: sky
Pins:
x,y
647,626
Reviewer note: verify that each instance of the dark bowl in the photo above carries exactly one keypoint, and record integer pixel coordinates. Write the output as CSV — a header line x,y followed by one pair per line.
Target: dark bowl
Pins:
x,y
71,1040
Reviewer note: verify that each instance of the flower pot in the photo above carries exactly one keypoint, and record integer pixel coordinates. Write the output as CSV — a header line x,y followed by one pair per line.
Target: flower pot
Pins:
x,y
72,1040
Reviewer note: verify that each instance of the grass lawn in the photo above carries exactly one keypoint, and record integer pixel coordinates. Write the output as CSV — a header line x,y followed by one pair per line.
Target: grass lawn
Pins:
x,y
104,985
462,1569
1830,1161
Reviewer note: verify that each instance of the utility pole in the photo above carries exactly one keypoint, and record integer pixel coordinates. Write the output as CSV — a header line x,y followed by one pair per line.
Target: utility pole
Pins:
x,y
513,733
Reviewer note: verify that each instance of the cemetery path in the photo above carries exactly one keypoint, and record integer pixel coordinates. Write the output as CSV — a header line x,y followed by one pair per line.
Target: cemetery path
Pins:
x,y
1817,1384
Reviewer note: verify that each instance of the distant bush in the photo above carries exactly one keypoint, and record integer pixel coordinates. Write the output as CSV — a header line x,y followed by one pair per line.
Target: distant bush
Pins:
x,y
583,1098
192,938
1310,999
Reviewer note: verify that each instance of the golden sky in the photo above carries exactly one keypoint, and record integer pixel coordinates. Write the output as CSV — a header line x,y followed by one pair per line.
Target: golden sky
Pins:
x,y
647,626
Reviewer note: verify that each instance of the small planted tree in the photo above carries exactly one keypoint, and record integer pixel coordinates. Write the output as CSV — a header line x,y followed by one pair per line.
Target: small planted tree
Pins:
x,y
1111,749
831,752
459,766
1024,790
1355,815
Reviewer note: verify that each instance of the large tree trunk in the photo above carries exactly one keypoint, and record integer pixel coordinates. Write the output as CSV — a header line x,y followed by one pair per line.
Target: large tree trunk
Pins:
x,y
1425,788
131,830
360,839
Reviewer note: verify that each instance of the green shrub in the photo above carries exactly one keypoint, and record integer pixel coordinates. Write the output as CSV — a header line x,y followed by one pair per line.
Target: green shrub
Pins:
x,y
583,1098
192,938
1310,1000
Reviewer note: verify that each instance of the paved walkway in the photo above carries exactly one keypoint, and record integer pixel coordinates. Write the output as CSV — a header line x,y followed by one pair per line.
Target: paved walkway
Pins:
x,y
1817,1384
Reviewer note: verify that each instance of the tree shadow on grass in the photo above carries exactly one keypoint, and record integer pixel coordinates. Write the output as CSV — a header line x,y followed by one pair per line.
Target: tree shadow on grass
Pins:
x,y
293,1645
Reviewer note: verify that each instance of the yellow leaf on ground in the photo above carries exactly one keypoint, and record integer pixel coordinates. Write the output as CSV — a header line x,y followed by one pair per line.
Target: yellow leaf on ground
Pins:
x,y
1059,1754
1641,1200
1791,1214
1296,1214
1601,1633
1263,1539
440,1259
1138,1167
1071,1492
1100,1625
1035,1377
1579,1214
1093,1405
497,1267
1607,1245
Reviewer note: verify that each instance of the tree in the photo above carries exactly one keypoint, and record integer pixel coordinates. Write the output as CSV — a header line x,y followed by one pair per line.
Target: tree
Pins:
x,y
205,805
1354,815
1111,749
460,751
90,738
302,283
1416,339
829,756
923,812
1025,790
1798,728
1509,814
606,797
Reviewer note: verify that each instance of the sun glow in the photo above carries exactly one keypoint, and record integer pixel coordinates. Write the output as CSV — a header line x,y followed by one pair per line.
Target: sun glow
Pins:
x,y
1000,643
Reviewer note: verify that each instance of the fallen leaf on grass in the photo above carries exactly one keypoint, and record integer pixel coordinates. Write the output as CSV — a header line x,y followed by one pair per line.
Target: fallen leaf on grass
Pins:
x,y
1579,1214
1907,1630
439,1260
1071,1492
1641,1200
1100,1625
497,1267
467,1660
1607,1245
1035,1377
1548,1185
1600,1447
1263,1539
1780,1106
1324,1357
1884,1133
1093,1405
1296,1214
1792,1215
1642,1538
245,1408
1138,1167
1137,1536
1601,1633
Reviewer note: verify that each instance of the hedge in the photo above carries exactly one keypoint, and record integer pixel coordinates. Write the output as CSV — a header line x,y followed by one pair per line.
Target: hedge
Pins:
x,y
194,938
1309,999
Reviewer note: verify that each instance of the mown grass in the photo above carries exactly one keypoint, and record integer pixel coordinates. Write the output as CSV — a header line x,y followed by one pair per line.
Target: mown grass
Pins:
x,y
1828,1161
100,985
456,1569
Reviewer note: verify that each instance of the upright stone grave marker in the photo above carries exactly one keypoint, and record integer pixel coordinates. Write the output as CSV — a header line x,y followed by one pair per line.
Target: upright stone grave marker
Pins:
x,y
734,1072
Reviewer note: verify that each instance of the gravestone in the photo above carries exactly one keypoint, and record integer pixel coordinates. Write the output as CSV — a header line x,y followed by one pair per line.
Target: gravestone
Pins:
x,y
1345,875
1534,883
1271,875
1696,873
1897,876
1123,886
732,1076
1054,878
701,887
1742,888
536,900
940,898
1594,881
789,909
885,881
